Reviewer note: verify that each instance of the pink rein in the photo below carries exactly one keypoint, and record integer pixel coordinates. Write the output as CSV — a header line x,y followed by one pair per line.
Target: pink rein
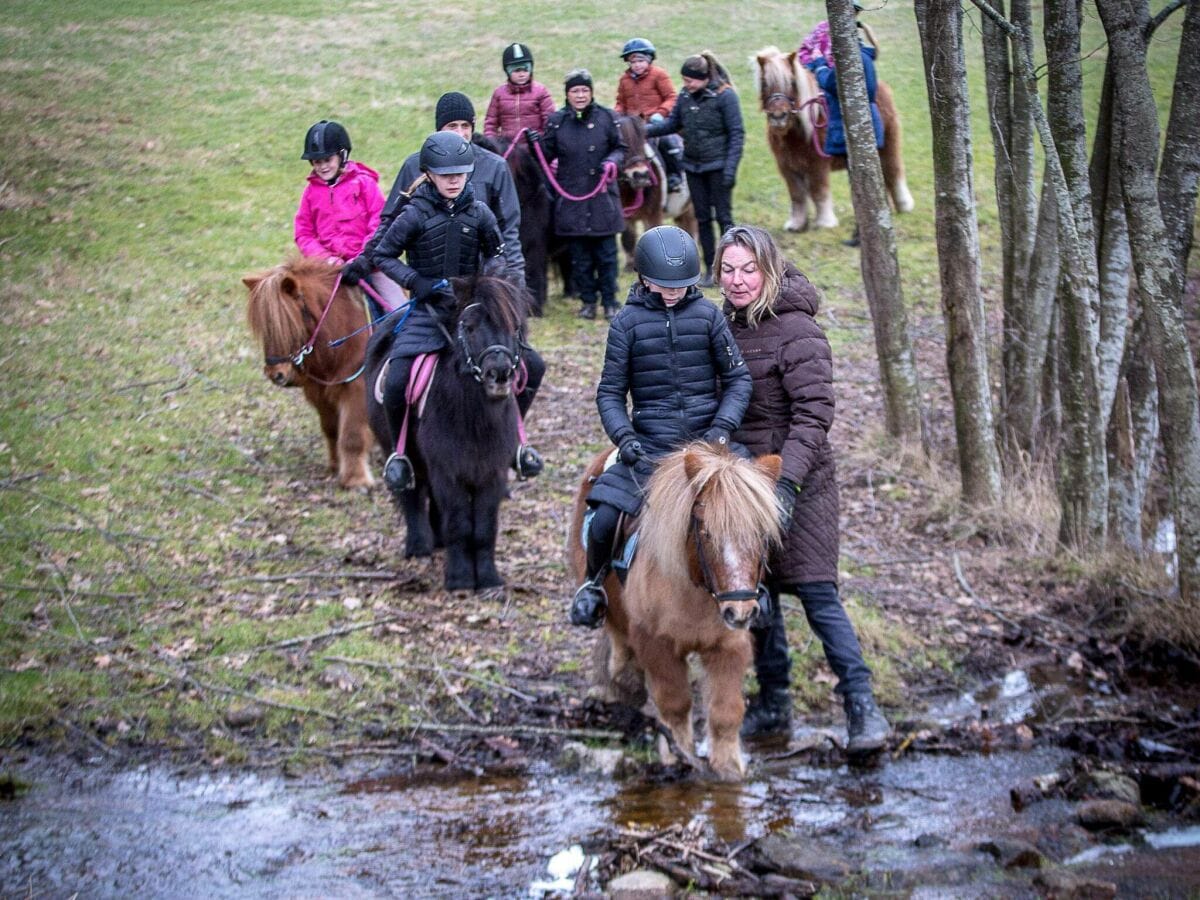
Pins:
x,y
603,183
818,115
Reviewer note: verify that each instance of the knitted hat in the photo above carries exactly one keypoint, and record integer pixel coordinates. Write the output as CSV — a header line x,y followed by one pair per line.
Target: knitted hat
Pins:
x,y
578,78
453,107
695,67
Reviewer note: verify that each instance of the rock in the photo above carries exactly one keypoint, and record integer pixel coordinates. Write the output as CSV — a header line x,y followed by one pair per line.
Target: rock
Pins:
x,y
608,763
798,857
1103,785
1059,884
642,884
1098,815
1012,854
930,841
243,716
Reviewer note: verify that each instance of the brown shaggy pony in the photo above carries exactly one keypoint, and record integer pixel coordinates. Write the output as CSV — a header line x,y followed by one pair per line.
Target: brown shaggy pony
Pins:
x,y
643,183
789,96
285,306
708,522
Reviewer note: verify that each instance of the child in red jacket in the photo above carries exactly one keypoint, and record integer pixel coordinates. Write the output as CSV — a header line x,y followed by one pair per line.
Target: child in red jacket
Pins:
x,y
646,90
339,210
520,102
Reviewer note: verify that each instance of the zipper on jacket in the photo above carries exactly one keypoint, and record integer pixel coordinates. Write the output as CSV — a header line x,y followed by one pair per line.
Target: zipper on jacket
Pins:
x,y
679,401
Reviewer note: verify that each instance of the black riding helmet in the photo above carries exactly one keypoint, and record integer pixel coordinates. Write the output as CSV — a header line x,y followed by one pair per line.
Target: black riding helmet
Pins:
x,y
516,55
326,139
447,153
638,45
667,256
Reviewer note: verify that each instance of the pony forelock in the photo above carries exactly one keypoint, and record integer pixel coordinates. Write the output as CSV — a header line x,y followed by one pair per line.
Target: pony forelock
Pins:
x,y
278,324
739,506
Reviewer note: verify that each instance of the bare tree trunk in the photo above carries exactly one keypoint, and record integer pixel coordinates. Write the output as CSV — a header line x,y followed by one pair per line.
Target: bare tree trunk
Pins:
x,y
1082,460
1132,439
1160,285
1043,283
1180,170
940,25
880,265
1016,196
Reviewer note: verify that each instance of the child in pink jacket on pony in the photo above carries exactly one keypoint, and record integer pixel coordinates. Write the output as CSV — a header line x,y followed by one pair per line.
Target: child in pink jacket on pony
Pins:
x,y
520,102
339,210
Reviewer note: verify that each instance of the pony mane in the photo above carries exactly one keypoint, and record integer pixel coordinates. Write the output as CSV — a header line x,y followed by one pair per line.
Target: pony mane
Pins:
x,y
278,325
739,506
633,130
504,303
777,72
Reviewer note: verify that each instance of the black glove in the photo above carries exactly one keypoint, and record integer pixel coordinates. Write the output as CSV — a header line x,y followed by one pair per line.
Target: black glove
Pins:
x,y
717,436
422,288
785,496
630,451
356,270
532,137
729,180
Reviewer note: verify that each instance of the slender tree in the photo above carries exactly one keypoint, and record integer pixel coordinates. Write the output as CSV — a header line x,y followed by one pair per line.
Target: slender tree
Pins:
x,y
940,25
880,264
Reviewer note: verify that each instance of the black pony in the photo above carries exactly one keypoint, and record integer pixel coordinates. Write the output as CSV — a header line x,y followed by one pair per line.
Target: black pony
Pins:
x,y
539,244
466,436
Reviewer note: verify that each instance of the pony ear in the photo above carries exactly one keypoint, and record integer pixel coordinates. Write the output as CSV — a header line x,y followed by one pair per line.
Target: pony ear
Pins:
x,y
252,281
288,286
770,465
792,59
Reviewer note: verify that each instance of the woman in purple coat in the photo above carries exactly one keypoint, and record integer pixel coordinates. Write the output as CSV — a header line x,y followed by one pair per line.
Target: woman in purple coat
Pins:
x,y
770,306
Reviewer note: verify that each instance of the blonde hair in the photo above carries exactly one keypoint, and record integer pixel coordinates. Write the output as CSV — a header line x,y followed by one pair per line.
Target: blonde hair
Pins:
x,y
769,259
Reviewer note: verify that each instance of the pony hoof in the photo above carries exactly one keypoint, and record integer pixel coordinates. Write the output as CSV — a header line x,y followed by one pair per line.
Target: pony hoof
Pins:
x,y
795,227
416,551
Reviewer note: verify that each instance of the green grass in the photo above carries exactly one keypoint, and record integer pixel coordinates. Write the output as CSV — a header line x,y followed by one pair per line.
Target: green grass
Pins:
x,y
151,480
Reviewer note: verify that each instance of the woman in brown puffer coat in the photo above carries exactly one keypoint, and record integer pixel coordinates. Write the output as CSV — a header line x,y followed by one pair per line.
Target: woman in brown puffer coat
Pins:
x,y
770,306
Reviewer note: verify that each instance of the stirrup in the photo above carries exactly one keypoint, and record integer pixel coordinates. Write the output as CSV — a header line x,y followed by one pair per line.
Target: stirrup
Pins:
x,y
398,473
528,462
590,603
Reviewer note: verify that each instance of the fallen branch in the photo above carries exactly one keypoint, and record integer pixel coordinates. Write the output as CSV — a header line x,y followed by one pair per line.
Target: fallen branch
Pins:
x,y
309,638
416,667
583,734
312,576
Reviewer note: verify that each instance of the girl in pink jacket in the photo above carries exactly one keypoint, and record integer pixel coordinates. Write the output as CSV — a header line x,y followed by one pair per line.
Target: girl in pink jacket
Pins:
x,y
520,102
339,210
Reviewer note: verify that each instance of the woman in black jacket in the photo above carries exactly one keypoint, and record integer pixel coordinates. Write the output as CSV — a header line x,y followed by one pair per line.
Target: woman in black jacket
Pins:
x,y
670,355
709,117
583,137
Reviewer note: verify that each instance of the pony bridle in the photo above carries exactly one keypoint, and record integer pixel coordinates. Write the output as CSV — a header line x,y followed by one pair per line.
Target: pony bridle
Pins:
x,y
476,364
706,571
297,358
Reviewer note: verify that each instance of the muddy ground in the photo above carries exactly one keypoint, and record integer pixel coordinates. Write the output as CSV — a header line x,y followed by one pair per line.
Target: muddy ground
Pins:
x,y
1029,732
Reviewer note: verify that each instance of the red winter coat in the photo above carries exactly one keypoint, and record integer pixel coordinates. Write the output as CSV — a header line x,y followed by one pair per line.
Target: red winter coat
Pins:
x,y
513,108
646,95
339,219
790,412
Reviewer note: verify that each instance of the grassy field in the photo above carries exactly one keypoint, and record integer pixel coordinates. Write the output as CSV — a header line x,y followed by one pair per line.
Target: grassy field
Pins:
x,y
155,489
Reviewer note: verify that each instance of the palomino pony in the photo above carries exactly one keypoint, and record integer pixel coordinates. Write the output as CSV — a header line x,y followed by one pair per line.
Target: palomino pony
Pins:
x,y
643,181
794,103
693,587
463,430
292,314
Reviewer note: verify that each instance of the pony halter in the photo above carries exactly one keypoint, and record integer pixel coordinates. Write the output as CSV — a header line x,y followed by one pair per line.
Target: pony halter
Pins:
x,y
476,365
706,572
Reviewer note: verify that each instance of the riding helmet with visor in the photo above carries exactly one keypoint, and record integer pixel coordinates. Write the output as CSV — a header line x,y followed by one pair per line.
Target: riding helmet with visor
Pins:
x,y
326,139
447,153
667,256
516,56
638,45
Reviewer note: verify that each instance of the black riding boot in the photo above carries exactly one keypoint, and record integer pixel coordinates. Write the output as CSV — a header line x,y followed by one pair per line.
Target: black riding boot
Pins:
x,y
397,470
590,602
866,729
769,713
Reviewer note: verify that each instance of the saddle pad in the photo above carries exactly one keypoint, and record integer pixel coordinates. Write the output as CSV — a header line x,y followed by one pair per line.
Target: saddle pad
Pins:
x,y
380,380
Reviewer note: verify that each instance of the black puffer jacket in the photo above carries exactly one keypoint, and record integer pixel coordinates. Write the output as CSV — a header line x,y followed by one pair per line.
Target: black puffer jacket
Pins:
x,y
680,368
711,124
582,143
790,412
440,238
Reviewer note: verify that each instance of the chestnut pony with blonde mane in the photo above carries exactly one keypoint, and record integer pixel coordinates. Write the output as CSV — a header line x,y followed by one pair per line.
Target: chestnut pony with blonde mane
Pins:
x,y
790,96
643,185
709,520
285,305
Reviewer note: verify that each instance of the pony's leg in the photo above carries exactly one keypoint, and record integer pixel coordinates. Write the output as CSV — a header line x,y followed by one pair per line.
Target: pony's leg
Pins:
x,y
893,172
486,525
822,195
327,410
797,188
418,539
353,437
629,244
456,511
667,678
724,667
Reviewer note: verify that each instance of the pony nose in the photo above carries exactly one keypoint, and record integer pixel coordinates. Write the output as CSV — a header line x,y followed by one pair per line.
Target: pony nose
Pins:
x,y
279,378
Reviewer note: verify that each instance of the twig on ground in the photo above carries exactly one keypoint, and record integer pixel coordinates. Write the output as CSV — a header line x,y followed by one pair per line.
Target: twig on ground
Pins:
x,y
458,701
310,638
584,734
400,667
296,576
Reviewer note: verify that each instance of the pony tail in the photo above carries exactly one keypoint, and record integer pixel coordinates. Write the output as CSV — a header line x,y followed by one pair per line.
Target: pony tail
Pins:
x,y
716,71
871,39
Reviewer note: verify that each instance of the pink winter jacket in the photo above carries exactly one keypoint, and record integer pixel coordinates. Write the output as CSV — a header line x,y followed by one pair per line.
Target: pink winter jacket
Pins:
x,y
513,108
338,220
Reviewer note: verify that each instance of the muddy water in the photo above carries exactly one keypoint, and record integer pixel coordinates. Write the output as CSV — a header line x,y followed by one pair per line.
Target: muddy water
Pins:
x,y
149,832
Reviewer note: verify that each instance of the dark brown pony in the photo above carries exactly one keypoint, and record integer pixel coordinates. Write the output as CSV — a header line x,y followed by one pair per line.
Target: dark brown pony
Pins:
x,y
286,303
708,522
643,183
789,95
